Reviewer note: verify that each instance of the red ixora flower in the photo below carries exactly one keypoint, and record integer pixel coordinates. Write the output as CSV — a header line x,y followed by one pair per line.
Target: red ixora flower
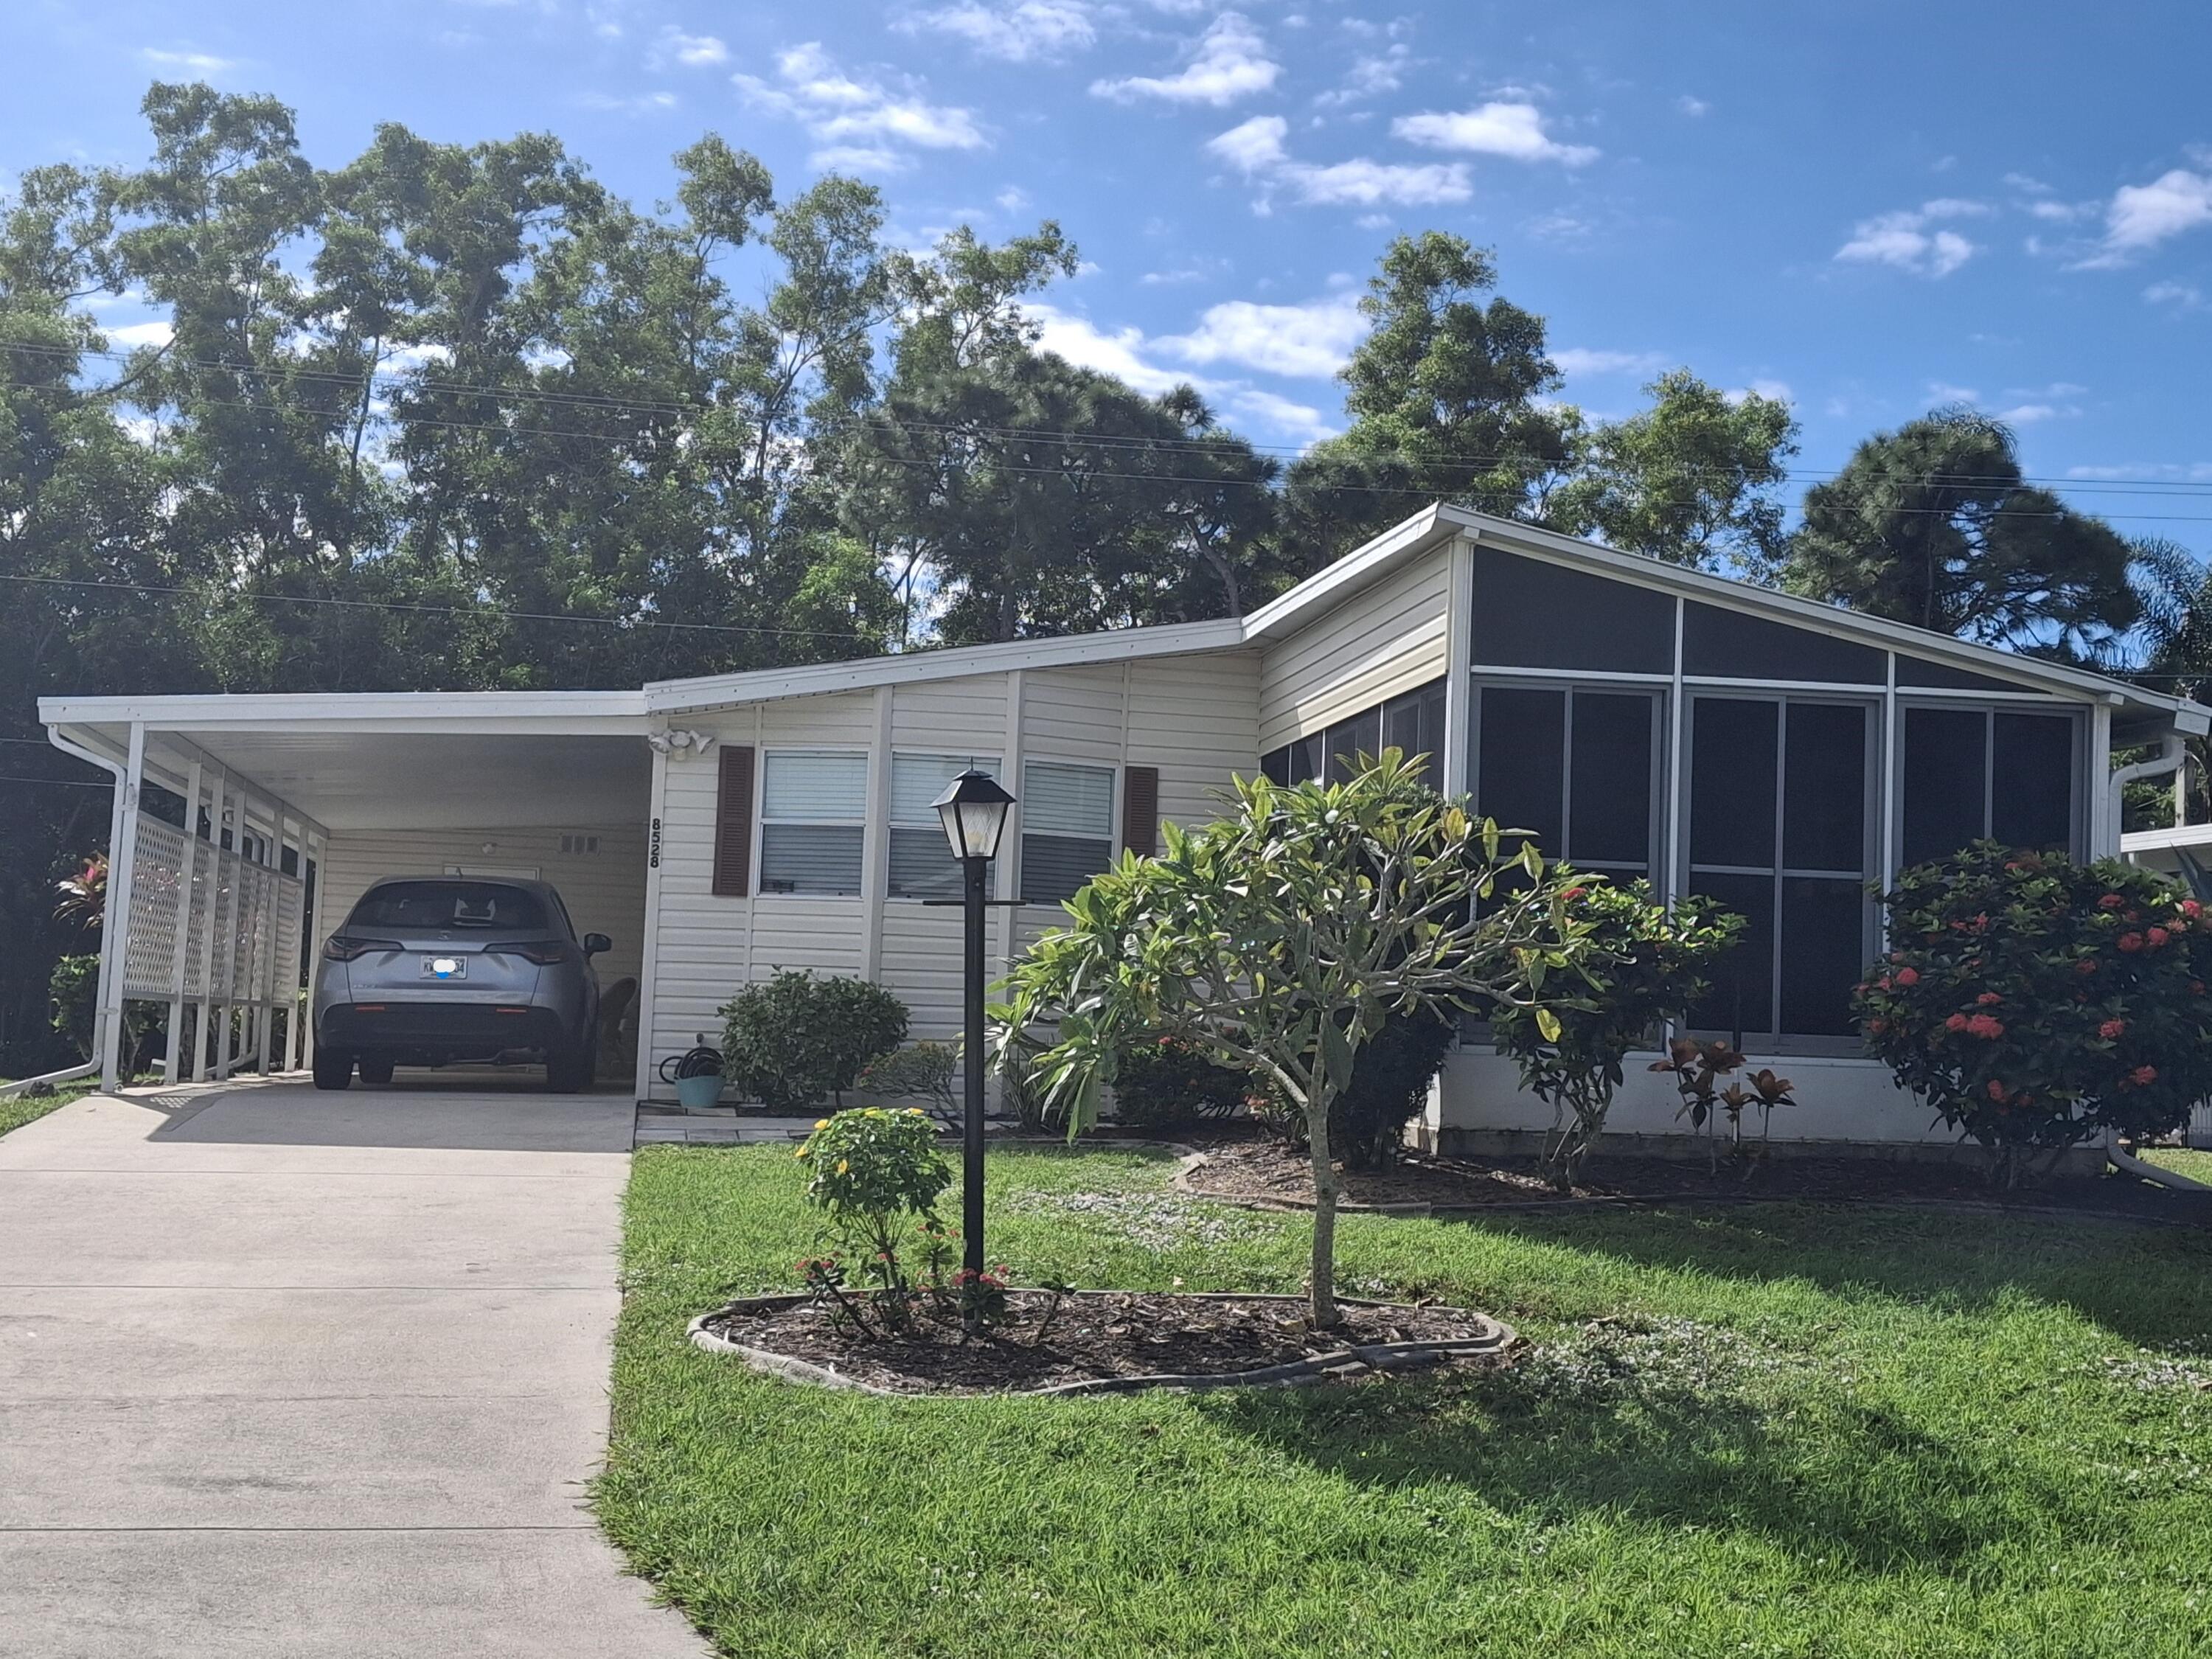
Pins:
x,y
2144,1076
1877,1025
1573,893
1988,999
2111,1029
1996,1089
2111,901
2086,965
2191,909
2157,936
1956,1023
1987,1026
1908,976
2131,942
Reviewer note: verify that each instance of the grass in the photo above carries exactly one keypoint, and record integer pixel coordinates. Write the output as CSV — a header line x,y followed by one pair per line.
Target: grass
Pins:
x,y
16,1111
1777,1430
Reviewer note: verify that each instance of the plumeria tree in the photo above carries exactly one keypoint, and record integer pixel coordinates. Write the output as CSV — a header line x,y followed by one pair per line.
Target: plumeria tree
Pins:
x,y
1278,937
2037,1004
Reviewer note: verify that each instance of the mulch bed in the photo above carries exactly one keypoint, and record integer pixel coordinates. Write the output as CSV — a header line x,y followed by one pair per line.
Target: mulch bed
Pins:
x,y
1110,1340
1257,1171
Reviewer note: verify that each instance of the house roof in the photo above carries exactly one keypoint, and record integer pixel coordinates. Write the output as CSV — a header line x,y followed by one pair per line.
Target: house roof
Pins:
x,y
614,712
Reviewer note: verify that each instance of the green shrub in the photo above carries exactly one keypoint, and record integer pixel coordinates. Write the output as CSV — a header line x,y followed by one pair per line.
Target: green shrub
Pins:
x,y
1390,1079
1646,967
74,986
1170,1083
2036,1004
792,1040
926,1071
873,1174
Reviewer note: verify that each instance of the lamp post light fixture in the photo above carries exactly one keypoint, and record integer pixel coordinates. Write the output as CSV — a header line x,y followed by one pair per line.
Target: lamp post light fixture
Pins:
x,y
973,810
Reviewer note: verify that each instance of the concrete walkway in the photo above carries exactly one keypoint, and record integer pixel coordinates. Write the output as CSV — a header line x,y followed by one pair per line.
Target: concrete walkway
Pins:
x,y
285,1373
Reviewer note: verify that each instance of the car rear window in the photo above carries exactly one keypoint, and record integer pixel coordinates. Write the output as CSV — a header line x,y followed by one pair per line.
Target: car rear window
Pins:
x,y
405,905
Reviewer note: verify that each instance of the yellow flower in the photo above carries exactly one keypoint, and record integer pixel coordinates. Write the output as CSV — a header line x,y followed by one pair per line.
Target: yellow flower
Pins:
x,y
841,1166
821,1122
801,1152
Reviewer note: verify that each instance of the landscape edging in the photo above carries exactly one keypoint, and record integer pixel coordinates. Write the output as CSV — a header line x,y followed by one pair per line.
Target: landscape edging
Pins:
x,y
1371,1358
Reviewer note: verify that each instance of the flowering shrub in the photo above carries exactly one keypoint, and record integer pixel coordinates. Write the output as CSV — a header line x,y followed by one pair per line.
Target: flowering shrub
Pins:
x,y
874,1173
1646,967
2037,1003
1165,1082
791,1039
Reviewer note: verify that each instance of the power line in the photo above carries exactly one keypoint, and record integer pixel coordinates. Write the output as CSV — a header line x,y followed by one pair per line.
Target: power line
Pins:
x,y
60,783
359,380
473,611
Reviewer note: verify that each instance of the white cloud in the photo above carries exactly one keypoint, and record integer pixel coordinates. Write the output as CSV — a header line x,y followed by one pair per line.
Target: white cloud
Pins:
x,y
643,104
2027,414
1514,131
2028,182
857,121
1229,62
2141,216
1255,149
132,336
1943,392
2185,296
2061,212
1026,30
1309,341
1371,76
1578,360
1775,391
692,51
1906,239
1251,146
192,62
1300,420
1129,356
1012,199
1691,106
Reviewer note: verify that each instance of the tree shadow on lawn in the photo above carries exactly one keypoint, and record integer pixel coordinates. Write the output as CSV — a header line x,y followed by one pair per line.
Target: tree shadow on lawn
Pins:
x,y
2151,1286
1847,1482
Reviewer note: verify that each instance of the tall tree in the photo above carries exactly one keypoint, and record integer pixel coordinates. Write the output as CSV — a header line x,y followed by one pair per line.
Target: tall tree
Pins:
x,y
1933,525
1690,480
1447,396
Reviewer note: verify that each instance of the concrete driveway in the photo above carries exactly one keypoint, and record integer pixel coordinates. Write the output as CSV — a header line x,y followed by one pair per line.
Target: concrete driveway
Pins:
x,y
285,1373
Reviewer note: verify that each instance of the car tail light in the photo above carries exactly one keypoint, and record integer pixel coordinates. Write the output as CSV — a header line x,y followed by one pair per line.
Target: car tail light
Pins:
x,y
339,948
543,951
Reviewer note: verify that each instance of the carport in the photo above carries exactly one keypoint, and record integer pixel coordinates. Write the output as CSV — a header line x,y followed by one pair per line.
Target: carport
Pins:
x,y
245,827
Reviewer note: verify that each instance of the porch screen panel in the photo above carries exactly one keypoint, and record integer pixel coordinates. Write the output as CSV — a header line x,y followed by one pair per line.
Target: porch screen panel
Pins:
x,y
2032,774
1531,614
813,811
1575,767
1067,828
157,909
1946,781
1780,833
1977,774
922,862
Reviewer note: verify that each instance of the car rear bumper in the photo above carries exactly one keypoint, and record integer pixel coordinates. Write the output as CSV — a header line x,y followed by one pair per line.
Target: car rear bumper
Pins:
x,y
450,1031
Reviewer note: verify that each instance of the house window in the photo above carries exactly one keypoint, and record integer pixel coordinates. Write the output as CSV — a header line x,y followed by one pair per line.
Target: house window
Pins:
x,y
923,865
814,810
1575,767
1780,833
1067,828
1979,774
1412,723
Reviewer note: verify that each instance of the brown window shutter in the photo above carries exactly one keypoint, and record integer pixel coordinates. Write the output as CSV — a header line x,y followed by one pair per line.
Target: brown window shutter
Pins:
x,y
733,822
1141,809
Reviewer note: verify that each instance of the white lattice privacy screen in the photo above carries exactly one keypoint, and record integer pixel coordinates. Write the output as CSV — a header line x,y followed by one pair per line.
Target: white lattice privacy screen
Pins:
x,y
233,913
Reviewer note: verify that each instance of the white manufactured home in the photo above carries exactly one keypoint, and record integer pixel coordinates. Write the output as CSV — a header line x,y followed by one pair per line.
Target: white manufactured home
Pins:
x,y
1646,720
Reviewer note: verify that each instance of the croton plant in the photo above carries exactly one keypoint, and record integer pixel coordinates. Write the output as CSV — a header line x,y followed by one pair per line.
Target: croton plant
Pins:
x,y
2037,1004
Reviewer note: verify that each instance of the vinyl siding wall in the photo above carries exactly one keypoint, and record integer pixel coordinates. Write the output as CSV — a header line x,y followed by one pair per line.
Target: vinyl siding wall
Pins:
x,y
1376,644
605,890
1196,718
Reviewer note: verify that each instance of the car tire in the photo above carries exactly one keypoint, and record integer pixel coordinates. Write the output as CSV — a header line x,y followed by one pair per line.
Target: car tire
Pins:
x,y
333,1069
567,1069
376,1070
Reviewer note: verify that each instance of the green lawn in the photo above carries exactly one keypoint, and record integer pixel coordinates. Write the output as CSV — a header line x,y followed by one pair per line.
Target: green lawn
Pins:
x,y
16,1111
1771,1430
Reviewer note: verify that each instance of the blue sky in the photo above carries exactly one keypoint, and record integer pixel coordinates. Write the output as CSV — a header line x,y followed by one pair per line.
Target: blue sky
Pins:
x,y
1874,206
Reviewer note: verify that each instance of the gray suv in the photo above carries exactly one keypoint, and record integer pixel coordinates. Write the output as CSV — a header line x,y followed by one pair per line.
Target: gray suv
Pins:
x,y
433,968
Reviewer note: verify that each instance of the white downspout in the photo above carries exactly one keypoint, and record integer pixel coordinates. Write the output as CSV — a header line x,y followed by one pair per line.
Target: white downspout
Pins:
x,y
2172,751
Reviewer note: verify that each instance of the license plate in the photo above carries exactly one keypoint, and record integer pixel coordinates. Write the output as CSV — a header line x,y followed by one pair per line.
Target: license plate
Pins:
x,y
445,968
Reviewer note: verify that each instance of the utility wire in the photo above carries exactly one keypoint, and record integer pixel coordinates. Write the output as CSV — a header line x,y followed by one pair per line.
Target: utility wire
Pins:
x,y
354,382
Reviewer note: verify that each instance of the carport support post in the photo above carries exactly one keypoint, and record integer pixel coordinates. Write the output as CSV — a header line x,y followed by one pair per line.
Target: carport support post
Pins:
x,y
203,1030
115,921
311,953
268,982
171,1074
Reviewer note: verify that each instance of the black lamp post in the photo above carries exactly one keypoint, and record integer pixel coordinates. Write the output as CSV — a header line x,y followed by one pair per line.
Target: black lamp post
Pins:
x,y
973,810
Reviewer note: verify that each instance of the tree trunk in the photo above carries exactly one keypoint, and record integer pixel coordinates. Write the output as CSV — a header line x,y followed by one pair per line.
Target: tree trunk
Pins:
x,y
1321,1295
